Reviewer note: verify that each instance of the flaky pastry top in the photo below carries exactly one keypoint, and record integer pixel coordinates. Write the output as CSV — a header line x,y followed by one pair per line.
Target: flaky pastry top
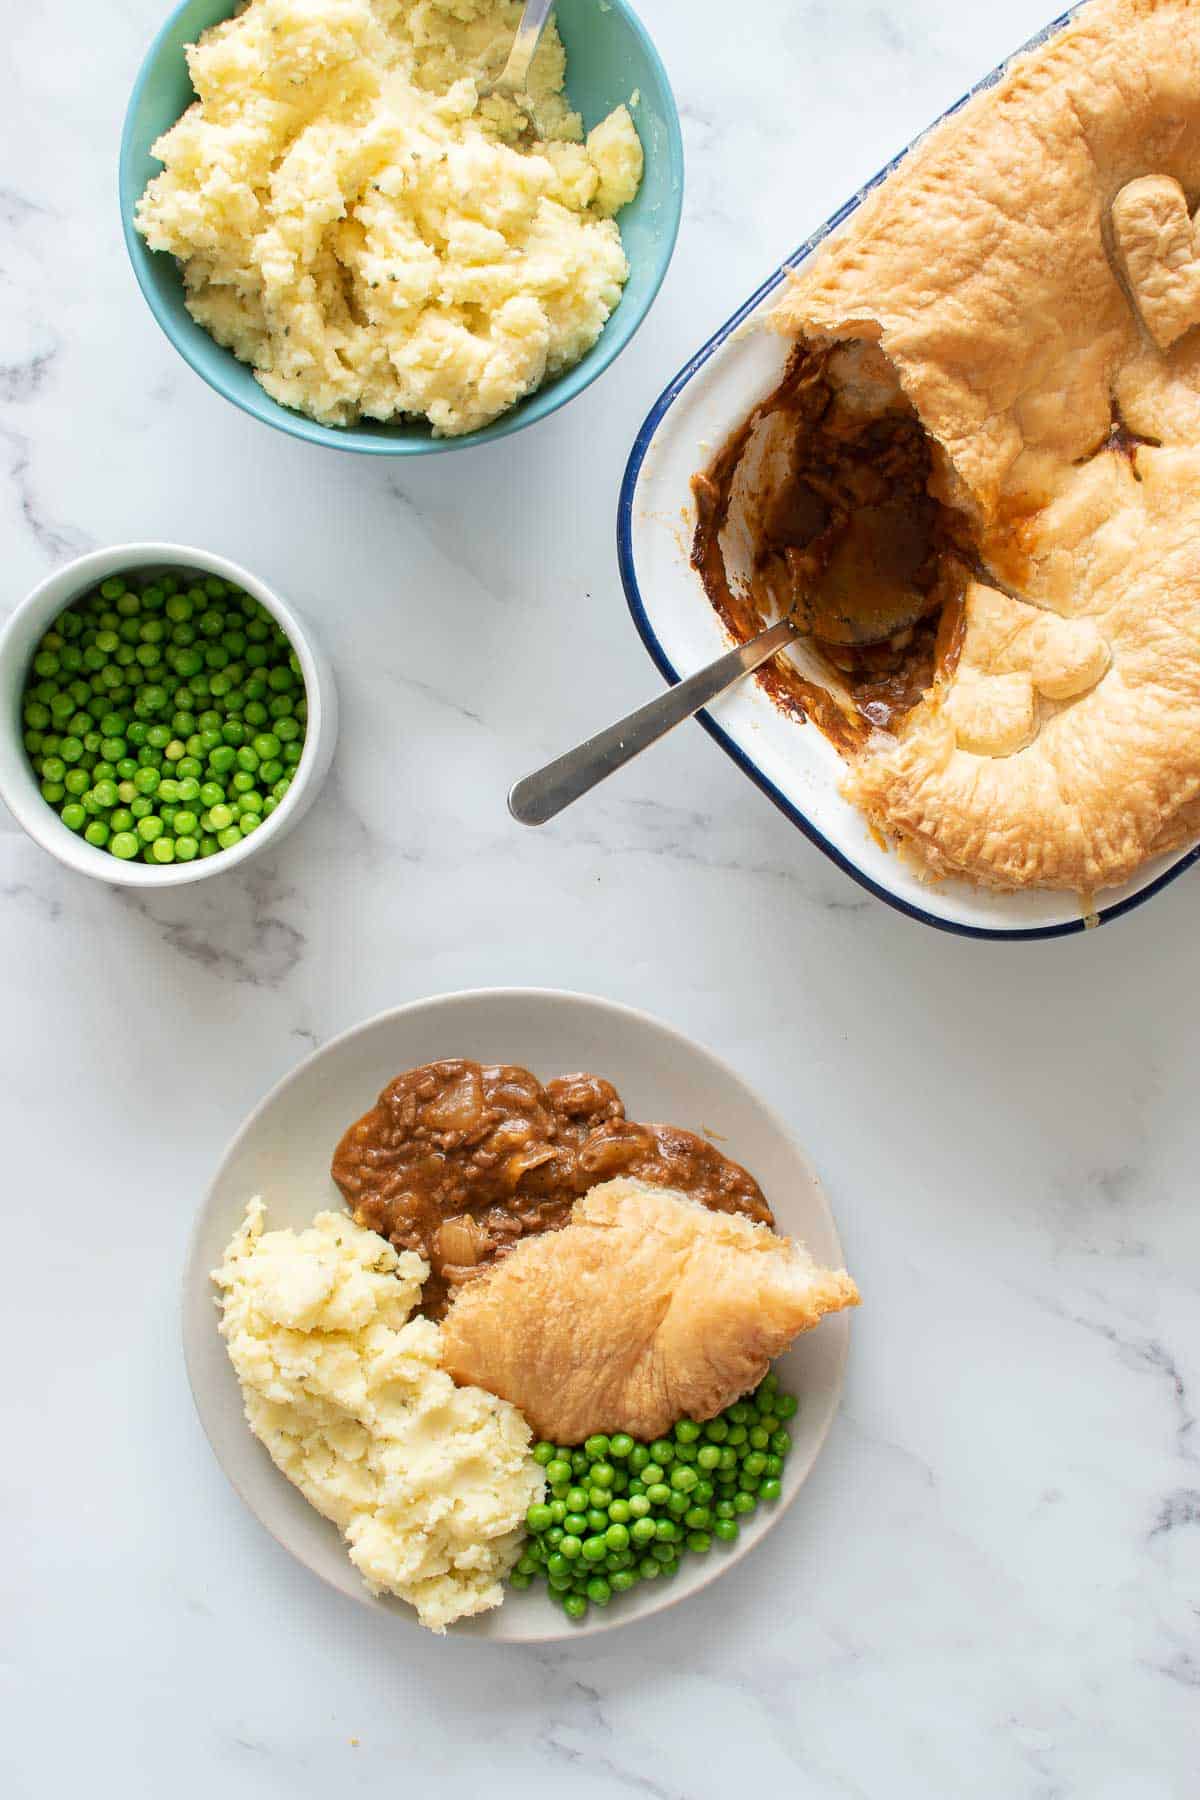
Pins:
x,y
1032,271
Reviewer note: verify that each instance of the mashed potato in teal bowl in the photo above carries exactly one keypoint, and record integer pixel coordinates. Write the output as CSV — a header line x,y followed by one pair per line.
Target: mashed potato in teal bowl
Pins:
x,y
394,258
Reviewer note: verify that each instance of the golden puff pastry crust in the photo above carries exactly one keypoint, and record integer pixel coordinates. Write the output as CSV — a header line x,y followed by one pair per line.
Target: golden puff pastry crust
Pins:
x,y
644,1309
1032,273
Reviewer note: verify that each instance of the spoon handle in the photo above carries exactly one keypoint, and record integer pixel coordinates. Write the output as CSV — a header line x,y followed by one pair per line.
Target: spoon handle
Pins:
x,y
515,76
539,797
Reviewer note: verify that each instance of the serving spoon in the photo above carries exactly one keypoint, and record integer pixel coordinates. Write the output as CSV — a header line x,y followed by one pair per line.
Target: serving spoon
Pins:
x,y
513,79
540,797
872,617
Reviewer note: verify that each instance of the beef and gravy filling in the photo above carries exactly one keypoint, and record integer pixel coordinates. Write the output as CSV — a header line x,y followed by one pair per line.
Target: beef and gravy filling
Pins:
x,y
460,1160
824,501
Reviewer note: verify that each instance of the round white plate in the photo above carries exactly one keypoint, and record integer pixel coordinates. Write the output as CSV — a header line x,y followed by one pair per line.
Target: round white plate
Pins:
x,y
282,1152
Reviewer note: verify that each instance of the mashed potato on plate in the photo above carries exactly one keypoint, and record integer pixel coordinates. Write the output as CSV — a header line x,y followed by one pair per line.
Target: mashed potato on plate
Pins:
x,y
428,1482
376,241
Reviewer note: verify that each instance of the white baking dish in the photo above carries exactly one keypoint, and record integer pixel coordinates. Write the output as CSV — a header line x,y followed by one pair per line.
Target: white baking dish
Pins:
x,y
794,764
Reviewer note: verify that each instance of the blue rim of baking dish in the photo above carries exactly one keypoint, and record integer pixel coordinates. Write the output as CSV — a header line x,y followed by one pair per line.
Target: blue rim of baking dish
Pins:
x,y
649,637
411,440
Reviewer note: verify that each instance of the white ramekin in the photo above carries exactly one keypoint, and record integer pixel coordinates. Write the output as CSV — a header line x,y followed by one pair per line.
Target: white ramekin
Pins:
x,y
19,786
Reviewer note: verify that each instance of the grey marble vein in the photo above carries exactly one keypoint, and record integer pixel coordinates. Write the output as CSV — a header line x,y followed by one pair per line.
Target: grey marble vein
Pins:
x,y
261,949
55,539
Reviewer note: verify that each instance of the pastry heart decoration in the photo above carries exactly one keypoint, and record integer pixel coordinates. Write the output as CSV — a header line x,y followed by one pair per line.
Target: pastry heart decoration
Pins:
x,y
1156,243
1012,652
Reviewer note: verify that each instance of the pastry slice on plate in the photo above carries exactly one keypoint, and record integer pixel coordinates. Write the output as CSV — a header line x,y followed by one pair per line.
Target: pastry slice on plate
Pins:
x,y
645,1309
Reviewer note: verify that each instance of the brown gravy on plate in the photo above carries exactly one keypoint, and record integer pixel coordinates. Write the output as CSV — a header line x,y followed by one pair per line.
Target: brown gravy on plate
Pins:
x,y
460,1160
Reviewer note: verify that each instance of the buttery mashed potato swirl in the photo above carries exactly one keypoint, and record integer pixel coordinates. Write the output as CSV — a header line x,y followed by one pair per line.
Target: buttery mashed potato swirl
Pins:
x,y
355,223
428,1482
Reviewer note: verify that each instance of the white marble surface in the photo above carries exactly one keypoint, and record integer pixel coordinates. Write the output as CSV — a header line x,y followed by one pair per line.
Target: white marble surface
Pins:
x,y
991,1586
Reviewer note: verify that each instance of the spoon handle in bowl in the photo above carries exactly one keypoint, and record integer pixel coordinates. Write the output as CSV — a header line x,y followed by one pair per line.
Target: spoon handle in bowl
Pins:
x,y
514,79
539,797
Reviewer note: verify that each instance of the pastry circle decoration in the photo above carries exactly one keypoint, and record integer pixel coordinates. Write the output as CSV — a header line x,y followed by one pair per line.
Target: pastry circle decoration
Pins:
x,y
1012,653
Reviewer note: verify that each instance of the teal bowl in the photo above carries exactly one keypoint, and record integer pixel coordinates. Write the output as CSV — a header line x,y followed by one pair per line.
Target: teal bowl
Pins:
x,y
609,59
